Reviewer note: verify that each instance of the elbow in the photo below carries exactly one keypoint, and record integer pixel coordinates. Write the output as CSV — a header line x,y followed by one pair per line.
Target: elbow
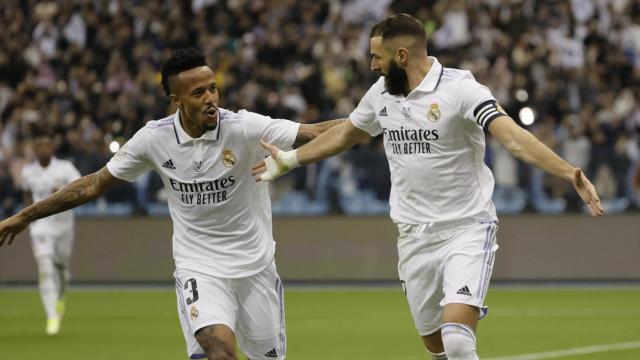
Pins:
x,y
93,188
516,149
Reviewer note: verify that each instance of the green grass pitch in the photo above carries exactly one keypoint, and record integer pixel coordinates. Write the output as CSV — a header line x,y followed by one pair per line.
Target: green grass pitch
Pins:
x,y
340,323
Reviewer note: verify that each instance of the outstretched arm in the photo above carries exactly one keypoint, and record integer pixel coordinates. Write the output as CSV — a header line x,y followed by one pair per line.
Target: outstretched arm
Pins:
x,y
333,141
523,145
308,132
76,193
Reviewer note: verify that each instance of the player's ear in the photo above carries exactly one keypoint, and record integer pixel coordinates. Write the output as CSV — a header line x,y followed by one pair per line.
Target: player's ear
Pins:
x,y
402,56
175,100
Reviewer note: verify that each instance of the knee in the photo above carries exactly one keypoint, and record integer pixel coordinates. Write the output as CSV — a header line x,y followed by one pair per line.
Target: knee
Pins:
x,y
459,342
216,349
220,355
214,346
45,266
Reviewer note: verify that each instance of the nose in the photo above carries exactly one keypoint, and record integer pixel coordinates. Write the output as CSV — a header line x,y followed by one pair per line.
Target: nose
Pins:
x,y
374,65
210,97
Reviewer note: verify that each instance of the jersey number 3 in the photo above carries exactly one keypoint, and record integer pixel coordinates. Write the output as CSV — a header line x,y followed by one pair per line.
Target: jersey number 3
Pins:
x,y
194,290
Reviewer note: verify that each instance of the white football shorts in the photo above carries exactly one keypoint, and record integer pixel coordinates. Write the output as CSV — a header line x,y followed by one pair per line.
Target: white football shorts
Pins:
x,y
55,245
252,307
445,263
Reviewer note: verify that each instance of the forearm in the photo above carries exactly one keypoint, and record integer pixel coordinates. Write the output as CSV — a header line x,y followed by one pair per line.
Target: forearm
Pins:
x,y
530,150
76,193
307,132
332,142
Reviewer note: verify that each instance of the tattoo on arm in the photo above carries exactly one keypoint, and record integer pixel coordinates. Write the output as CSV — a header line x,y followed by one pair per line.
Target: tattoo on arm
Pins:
x,y
307,133
78,192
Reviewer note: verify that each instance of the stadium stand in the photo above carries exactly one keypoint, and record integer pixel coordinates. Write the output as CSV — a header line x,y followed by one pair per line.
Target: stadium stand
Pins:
x,y
88,70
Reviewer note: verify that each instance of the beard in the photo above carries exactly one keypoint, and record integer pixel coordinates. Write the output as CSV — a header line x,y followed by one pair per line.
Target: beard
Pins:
x,y
396,81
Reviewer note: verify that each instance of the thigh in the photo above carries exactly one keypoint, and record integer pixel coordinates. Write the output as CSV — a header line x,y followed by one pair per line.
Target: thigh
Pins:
x,y
420,271
43,245
468,265
261,325
63,247
203,301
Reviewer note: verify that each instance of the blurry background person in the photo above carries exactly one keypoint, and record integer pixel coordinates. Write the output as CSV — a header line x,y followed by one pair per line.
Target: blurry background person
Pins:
x,y
51,237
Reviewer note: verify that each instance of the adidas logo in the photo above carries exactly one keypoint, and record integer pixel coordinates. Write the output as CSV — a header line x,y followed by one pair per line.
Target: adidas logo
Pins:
x,y
383,112
169,165
464,291
272,354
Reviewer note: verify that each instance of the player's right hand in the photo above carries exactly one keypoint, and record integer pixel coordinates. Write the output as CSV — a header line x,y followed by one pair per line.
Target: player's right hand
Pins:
x,y
277,164
11,227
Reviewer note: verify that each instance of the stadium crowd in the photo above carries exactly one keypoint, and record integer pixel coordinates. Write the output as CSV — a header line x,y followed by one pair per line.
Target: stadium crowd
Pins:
x,y
89,72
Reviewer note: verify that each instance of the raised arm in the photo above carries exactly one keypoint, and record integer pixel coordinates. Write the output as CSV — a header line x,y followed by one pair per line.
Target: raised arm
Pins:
x,y
333,141
76,193
523,145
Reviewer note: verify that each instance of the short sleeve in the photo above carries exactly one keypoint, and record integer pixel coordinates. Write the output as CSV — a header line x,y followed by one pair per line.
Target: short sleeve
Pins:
x,y
364,115
279,132
476,102
132,159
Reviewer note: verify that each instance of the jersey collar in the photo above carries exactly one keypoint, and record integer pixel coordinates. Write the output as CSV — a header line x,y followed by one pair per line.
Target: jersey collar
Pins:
x,y
432,79
183,138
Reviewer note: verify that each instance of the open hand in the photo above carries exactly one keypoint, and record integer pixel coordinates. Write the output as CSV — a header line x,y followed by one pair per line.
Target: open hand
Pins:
x,y
587,192
11,227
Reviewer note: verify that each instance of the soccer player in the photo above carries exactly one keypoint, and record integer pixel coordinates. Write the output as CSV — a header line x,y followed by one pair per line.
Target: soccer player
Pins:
x,y
227,286
432,119
51,238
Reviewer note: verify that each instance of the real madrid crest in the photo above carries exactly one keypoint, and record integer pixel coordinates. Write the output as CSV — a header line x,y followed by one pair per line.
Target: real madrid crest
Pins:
x,y
228,159
197,166
434,112
406,112
194,313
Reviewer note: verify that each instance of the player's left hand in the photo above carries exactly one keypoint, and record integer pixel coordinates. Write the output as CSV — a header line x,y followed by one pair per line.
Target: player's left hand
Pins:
x,y
11,227
587,192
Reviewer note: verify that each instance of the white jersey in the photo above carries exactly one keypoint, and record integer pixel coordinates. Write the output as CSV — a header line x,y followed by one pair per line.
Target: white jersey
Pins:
x,y
43,181
221,216
435,145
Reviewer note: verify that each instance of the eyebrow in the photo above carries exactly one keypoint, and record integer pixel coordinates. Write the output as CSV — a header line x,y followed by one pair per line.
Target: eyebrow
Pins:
x,y
203,87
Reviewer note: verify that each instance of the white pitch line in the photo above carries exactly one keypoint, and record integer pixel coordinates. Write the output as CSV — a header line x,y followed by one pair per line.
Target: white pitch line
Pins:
x,y
570,352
